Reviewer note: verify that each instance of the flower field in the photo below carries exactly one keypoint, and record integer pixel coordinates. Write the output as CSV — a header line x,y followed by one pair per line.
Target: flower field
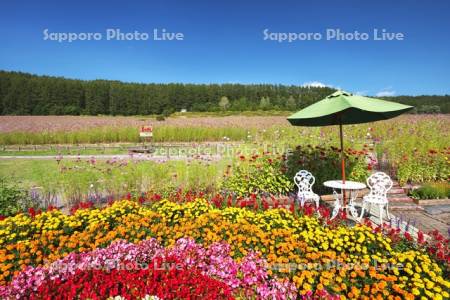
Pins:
x,y
210,251
413,148
224,228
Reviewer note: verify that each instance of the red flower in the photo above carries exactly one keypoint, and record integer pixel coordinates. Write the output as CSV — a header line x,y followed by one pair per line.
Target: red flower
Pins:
x,y
32,212
156,197
81,205
51,207
324,212
170,279
420,237
276,203
255,205
217,200
309,211
408,236
292,207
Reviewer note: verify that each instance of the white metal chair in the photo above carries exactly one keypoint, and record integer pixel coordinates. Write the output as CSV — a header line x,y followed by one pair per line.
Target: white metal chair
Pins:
x,y
304,181
379,184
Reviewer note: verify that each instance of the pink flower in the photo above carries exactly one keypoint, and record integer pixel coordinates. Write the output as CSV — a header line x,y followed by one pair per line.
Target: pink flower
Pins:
x,y
249,276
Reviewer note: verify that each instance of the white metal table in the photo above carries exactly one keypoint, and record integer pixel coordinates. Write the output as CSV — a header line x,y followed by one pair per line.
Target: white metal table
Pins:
x,y
352,187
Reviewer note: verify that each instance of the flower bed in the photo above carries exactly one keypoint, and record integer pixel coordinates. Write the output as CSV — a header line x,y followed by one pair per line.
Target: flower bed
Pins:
x,y
355,262
136,270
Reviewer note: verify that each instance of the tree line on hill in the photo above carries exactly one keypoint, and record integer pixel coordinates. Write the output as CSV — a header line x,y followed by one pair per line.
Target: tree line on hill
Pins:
x,y
28,94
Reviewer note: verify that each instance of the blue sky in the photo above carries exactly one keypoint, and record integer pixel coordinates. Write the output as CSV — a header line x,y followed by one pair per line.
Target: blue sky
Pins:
x,y
224,43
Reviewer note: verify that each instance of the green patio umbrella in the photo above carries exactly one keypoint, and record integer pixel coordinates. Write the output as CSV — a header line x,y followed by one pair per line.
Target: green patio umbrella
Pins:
x,y
342,108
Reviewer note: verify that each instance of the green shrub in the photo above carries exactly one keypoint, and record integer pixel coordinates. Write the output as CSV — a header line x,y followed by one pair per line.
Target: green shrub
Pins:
x,y
422,168
325,164
12,199
432,190
167,112
429,109
257,174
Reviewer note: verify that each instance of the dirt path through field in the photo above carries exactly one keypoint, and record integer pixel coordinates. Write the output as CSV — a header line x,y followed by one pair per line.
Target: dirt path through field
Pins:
x,y
149,157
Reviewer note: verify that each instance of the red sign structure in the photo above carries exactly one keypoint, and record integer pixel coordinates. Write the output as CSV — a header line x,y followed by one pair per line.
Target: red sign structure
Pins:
x,y
146,131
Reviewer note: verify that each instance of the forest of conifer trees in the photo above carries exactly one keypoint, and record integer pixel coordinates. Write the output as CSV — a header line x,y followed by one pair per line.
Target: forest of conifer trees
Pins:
x,y
27,94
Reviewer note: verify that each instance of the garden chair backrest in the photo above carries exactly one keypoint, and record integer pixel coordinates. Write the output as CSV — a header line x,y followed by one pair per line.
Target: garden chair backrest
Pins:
x,y
379,183
304,181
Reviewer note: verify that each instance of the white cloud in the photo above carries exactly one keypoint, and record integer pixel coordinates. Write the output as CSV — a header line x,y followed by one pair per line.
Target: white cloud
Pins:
x,y
386,92
316,84
362,93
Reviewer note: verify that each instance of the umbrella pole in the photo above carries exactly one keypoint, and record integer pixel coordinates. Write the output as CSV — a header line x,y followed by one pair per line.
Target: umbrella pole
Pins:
x,y
342,160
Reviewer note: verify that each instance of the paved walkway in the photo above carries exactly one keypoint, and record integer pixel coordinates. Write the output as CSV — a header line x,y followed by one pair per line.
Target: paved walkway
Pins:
x,y
422,220
426,222
425,219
